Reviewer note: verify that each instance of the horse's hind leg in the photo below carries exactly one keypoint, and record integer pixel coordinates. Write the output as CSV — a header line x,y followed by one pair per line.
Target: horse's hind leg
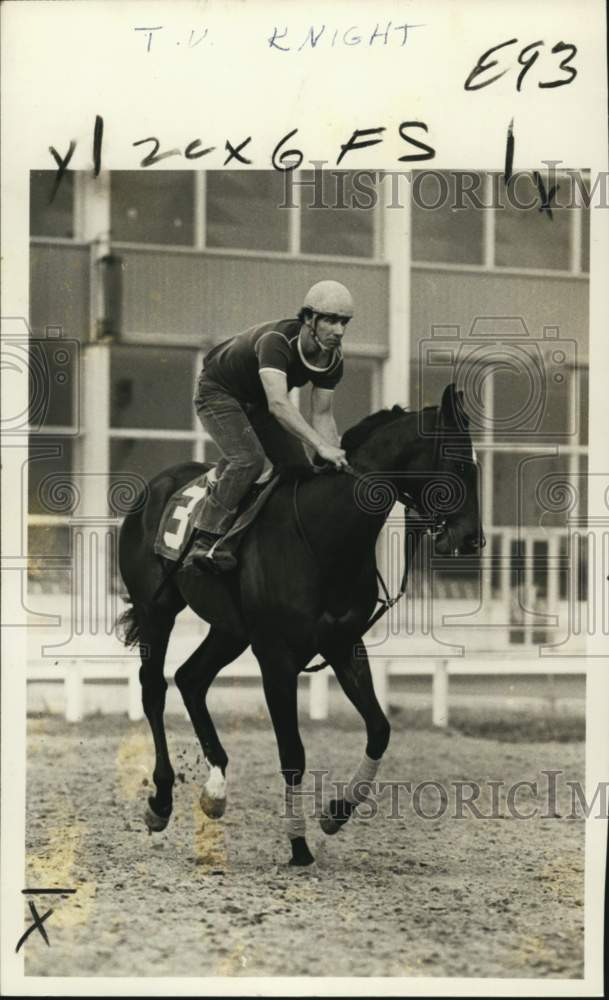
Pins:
x,y
193,680
353,672
154,631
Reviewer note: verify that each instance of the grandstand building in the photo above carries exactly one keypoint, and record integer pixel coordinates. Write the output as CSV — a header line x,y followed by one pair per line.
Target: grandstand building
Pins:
x,y
134,275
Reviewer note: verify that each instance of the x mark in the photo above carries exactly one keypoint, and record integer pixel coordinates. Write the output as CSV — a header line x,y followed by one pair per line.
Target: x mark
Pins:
x,y
38,923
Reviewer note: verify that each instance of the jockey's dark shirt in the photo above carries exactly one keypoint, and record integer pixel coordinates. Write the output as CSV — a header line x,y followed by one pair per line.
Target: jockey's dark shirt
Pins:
x,y
274,346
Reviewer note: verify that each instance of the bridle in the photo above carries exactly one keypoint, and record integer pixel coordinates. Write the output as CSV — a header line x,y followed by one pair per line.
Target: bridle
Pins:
x,y
432,523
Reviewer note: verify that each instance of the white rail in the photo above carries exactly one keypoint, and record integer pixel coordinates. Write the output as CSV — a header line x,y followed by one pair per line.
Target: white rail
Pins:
x,y
75,675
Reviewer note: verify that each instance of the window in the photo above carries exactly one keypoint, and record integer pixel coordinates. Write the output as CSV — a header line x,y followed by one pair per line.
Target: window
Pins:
x,y
531,396
52,494
53,375
50,488
243,210
442,230
145,457
47,542
152,417
337,212
583,408
49,548
152,388
152,207
526,236
530,490
56,217
581,487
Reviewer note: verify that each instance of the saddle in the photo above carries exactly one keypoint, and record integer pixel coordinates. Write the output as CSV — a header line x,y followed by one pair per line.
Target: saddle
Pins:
x,y
180,514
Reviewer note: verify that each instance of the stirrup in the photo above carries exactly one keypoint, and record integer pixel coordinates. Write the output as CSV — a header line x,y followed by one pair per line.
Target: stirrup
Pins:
x,y
220,559
204,556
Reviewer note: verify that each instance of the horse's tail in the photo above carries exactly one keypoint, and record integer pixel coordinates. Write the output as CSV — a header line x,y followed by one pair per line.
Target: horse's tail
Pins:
x,y
127,628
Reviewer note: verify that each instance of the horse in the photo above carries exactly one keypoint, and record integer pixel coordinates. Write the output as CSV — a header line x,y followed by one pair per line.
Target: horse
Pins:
x,y
305,584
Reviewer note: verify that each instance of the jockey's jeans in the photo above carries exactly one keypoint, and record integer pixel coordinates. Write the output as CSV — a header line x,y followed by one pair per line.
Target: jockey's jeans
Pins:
x,y
245,435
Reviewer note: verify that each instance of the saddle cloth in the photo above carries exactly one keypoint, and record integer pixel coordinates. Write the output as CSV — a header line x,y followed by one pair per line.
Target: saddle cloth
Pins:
x,y
179,516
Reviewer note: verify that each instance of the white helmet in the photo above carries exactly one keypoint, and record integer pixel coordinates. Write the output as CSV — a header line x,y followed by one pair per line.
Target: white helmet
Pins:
x,y
329,297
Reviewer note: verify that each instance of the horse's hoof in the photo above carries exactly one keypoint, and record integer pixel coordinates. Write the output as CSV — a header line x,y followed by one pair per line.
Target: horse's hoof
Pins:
x,y
154,822
330,825
293,863
212,806
338,812
301,855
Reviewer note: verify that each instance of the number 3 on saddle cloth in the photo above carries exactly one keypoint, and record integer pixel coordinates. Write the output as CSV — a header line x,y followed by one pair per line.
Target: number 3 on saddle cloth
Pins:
x,y
179,516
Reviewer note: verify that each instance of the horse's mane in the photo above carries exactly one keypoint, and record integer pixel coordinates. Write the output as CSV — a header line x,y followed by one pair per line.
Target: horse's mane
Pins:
x,y
356,435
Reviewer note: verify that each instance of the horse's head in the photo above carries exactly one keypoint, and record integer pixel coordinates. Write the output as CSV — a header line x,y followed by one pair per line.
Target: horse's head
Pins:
x,y
429,458
448,472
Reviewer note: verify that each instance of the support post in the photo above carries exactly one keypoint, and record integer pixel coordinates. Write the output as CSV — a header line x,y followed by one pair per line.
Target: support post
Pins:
x,y
396,238
73,688
439,713
318,696
135,709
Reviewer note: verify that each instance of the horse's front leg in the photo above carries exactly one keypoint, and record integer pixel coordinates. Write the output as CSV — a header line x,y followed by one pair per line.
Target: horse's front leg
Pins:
x,y
353,673
280,680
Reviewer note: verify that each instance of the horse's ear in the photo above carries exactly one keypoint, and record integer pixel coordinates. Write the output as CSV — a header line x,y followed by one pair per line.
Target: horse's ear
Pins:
x,y
452,407
448,404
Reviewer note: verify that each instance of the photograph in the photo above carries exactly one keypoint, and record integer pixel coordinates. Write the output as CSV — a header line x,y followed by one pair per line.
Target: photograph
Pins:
x,y
249,351
305,538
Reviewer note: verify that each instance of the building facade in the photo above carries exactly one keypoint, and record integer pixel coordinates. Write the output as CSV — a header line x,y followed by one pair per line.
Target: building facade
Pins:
x,y
134,275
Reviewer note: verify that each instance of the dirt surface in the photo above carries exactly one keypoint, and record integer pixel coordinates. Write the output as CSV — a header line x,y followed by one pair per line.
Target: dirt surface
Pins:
x,y
388,896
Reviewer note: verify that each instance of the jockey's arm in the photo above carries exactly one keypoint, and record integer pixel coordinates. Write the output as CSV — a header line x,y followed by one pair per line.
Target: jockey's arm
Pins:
x,y
322,415
275,386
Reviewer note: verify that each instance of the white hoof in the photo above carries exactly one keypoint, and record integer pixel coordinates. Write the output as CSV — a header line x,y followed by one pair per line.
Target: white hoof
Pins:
x,y
213,796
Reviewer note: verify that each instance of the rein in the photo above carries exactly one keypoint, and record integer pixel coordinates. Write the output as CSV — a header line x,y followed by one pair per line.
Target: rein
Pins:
x,y
424,525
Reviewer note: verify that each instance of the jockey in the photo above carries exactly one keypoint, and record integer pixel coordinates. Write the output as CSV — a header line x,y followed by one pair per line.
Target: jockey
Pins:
x,y
242,402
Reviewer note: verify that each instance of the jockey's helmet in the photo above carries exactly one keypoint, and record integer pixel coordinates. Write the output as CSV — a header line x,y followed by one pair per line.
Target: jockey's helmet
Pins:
x,y
329,298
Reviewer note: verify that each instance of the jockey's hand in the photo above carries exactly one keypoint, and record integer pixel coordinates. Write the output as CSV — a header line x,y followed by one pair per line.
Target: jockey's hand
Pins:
x,y
330,453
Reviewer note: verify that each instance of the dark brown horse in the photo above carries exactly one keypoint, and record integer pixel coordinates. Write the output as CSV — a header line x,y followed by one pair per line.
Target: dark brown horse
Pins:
x,y
306,584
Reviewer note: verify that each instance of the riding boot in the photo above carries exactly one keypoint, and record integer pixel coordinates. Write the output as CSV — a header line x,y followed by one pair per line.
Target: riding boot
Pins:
x,y
206,553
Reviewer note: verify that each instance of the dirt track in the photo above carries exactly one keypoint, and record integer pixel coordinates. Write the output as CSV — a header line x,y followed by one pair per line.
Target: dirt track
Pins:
x,y
403,896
